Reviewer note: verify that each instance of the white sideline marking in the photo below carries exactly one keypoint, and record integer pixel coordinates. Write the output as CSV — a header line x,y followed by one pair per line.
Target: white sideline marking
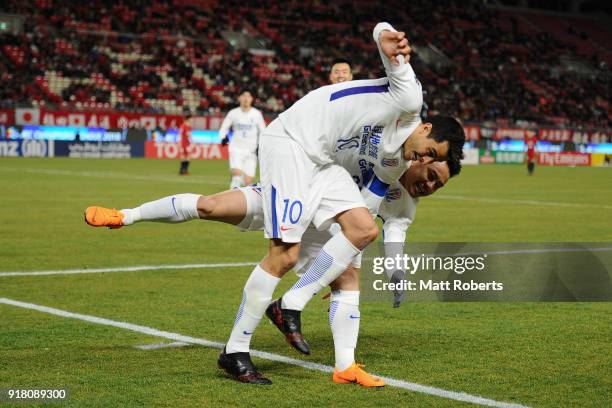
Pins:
x,y
129,269
522,202
424,389
117,175
162,345
137,268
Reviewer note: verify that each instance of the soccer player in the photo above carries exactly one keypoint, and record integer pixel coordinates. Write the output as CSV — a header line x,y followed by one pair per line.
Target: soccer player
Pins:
x,y
244,207
300,178
185,143
531,142
246,123
340,71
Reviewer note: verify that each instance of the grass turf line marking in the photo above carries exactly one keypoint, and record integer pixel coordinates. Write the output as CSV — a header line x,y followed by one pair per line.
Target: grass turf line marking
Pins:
x,y
157,346
410,386
117,175
129,269
523,202
138,268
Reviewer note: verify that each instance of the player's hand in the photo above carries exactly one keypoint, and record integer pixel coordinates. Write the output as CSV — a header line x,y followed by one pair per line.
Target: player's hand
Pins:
x,y
225,141
394,44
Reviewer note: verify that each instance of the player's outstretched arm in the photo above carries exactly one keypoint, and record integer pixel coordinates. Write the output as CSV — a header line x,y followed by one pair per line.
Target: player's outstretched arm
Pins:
x,y
395,52
394,231
225,127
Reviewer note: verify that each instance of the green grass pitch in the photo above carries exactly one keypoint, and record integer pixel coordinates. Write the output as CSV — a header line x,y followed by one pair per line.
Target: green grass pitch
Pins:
x,y
537,354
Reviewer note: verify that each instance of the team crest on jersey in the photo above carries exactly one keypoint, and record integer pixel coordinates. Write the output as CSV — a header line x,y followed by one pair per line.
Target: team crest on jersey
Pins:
x,y
389,162
345,144
393,194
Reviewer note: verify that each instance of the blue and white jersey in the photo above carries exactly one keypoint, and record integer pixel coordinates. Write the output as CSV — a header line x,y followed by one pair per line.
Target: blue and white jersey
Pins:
x,y
397,211
394,204
377,115
246,128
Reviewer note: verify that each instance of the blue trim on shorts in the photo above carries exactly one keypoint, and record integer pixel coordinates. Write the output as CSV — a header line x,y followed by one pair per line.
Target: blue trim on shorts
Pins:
x,y
359,90
378,187
274,219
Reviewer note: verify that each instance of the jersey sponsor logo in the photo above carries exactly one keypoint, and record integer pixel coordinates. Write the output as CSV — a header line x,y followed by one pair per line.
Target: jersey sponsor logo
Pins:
x,y
371,136
350,143
243,126
390,162
366,170
393,194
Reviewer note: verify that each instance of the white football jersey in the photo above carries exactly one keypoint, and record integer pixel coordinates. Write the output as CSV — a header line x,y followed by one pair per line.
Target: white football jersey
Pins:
x,y
397,207
397,211
246,128
378,115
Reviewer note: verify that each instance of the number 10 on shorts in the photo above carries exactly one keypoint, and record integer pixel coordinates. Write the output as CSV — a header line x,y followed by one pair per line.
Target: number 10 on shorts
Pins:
x,y
292,211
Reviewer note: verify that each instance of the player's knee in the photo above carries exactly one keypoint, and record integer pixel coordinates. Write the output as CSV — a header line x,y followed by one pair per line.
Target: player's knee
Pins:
x,y
363,234
206,206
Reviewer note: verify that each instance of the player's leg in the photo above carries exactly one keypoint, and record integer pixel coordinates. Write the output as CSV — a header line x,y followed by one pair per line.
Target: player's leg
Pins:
x,y
241,207
343,203
237,178
344,318
249,167
236,156
358,230
286,176
184,170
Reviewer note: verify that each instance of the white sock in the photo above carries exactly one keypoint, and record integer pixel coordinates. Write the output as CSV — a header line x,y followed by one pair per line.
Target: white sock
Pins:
x,y
256,297
344,321
236,182
175,208
333,259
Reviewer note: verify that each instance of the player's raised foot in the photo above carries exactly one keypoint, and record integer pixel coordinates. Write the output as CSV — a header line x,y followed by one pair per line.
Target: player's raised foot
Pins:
x,y
103,217
355,374
289,323
240,367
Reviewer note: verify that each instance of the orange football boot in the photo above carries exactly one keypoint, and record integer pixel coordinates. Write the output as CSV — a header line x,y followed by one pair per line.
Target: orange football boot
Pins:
x,y
103,217
357,375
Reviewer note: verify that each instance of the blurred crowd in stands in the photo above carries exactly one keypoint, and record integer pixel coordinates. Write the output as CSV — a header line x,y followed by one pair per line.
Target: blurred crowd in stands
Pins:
x,y
172,57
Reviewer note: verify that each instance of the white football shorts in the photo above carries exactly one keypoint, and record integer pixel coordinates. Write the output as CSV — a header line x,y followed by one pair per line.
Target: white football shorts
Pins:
x,y
297,191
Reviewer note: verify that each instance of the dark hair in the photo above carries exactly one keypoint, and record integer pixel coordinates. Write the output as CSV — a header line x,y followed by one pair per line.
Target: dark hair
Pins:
x,y
448,129
243,90
339,61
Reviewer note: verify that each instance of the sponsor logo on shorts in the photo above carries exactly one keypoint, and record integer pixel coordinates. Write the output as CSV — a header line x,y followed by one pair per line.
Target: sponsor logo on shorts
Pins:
x,y
283,228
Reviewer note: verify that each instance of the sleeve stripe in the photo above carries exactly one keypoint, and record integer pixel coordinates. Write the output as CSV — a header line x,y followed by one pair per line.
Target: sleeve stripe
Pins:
x,y
378,187
359,90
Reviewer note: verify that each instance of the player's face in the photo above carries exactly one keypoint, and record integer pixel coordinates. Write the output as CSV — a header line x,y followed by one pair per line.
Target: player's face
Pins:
x,y
422,179
246,100
420,147
340,72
